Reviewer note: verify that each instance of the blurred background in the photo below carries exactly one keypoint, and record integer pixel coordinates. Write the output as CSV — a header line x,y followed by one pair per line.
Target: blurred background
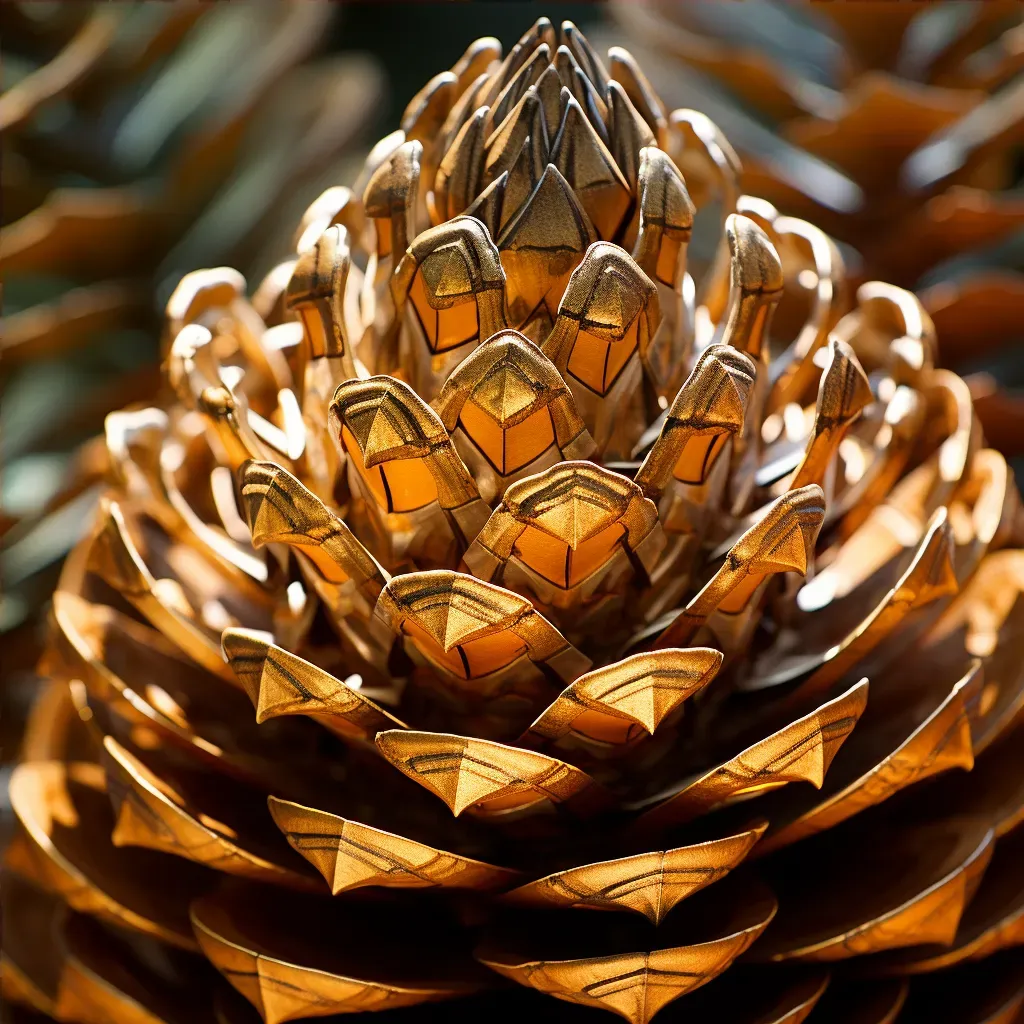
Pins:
x,y
144,140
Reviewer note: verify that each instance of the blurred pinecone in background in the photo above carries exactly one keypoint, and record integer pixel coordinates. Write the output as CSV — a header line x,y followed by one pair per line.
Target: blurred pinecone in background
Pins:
x,y
895,125
513,601
138,139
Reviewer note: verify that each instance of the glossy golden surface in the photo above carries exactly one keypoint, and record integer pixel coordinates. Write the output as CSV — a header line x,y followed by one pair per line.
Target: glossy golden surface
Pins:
x,y
614,706
781,541
279,683
523,556
889,757
488,778
708,409
648,883
350,854
634,983
510,413
800,752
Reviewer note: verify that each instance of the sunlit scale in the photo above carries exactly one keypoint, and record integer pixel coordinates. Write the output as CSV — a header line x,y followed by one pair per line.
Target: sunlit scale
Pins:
x,y
565,569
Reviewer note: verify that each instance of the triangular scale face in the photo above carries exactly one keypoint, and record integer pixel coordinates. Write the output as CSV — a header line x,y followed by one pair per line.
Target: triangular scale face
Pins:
x,y
648,691
434,620
614,302
450,623
650,884
446,273
265,518
281,997
641,886
277,693
574,520
504,392
466,772
539,249
549,89
445,767
583,158
731,402
646,702
551,221
463,625
783,538
811,765
349,872
379,435
790,550
470,786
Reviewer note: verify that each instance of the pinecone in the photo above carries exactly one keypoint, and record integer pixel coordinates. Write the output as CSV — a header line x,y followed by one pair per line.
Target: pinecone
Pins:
x,y
611,623
896,126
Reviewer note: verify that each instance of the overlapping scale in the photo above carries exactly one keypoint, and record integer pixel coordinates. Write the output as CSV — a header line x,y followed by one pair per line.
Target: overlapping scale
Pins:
x,y
216,822
282,954
610,709
351,854
68,825
651,883
485,777
799,752
631,970
946,861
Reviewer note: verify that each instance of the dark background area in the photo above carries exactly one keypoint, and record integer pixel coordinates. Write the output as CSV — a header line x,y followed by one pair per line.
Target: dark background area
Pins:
x,y
434,35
